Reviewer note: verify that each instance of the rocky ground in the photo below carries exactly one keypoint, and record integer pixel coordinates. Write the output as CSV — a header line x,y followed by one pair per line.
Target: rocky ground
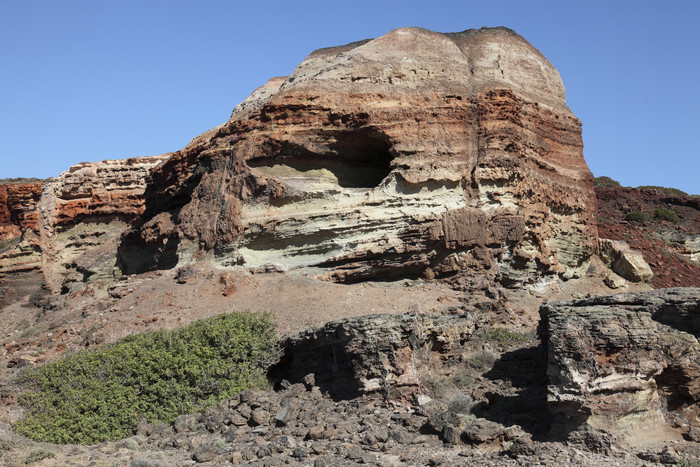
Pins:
x,y
671,249
486,411
299,425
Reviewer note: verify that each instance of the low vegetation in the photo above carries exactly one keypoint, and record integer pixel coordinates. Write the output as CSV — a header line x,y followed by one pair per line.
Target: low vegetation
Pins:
x,y
636,216
18,180
605,182
506,337
666,214
38,455
102,394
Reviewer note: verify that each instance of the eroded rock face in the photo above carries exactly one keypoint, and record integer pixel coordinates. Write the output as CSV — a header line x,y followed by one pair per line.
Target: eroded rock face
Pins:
x,y
64,232
382,354
627,361
20,254
83,214
417,153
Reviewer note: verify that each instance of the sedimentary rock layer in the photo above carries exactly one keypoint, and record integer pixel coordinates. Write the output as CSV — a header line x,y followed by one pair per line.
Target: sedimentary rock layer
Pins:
x,y
627,361
417,153
65,231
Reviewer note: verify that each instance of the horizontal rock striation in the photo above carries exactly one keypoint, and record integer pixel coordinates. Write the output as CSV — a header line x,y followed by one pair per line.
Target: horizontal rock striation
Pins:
x,y
20,253
65,231
414,154
84,212
628,361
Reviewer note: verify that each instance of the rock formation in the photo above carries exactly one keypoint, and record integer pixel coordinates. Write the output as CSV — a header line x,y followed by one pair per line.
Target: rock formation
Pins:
x,y
385,354
417,153
627,362
627,263
20,253
64,232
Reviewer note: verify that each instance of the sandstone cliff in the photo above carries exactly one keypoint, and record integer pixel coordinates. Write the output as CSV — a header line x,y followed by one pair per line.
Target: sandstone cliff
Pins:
x,y
414,154
64,232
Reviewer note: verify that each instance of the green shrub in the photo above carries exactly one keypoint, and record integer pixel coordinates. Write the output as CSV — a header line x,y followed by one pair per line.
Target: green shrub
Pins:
x,y
666,215
605,182
505,336
636,216
102,394
38,455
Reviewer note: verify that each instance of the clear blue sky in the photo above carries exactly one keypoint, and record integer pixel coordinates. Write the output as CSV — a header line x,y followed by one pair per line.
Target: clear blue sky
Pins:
x,y
86,80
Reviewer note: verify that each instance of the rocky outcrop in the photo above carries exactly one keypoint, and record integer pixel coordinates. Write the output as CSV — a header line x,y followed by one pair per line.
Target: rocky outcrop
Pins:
x,y
18,208
20,254
83,214
624,261
388,355
417,153
627,362
65,231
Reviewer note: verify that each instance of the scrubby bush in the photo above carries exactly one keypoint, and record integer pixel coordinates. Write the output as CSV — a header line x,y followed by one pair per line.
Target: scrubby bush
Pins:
x,y
635,216
506,337
38,455
666,215
102,394
605,182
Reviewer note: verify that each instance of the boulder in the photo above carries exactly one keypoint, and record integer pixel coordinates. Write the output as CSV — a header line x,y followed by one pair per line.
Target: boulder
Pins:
x,y
629,360
627,263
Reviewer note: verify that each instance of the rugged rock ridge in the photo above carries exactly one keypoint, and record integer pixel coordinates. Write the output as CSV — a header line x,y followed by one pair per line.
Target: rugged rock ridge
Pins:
x,y
626,362
417,153
64,232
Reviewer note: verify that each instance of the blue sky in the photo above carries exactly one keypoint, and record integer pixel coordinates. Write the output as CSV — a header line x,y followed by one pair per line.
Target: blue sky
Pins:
x,y
91,80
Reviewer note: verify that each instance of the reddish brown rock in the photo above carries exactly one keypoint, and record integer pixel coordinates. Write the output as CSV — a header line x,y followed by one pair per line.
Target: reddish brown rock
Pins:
x,y
65,231
18,209
672,250
83,214
417,153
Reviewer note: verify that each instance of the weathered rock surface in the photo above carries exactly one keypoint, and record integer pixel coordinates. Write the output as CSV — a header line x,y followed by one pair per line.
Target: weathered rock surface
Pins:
x,y
64,232
624,261
626,362
381,354
83,214
417,153
20,254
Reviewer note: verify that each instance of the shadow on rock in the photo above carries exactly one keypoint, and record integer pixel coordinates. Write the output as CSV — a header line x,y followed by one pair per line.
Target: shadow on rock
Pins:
x,y
523,371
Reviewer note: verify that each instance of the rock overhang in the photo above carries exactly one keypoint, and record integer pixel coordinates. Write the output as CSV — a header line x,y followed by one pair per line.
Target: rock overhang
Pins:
x,y
359,159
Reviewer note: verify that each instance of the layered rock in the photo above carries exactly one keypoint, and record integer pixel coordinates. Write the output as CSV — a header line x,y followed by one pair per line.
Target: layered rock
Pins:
x,y
83,214
417,153
626,362
20,253
64,232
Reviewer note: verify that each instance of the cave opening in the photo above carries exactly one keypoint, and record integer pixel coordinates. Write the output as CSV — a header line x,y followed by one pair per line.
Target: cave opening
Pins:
x,y
358,159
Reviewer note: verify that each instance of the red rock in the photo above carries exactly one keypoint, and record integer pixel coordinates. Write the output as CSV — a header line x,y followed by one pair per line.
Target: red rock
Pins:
x,y
414,153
